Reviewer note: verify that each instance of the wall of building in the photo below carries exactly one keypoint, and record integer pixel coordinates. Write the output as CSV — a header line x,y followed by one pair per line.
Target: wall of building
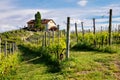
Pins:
x,y
30,25
50,24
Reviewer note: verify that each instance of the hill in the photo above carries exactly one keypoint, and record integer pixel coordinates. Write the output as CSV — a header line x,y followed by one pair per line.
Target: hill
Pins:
x,y
38,62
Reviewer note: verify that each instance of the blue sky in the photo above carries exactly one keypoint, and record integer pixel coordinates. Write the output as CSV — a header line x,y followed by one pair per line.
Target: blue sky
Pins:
x,y
15,13
63,3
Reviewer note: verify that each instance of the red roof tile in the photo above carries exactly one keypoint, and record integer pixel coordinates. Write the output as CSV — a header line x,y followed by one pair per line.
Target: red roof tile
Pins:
x,y
31,22
44,21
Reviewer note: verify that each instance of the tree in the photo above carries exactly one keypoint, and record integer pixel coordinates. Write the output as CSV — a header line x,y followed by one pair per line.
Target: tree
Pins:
x,y
38,20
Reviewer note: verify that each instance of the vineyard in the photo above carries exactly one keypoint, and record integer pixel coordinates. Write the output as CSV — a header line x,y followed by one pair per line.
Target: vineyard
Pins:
x,y
60,55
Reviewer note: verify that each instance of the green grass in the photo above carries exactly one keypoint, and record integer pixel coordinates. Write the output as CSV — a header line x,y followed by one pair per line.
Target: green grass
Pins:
x,y
80,66
35,72
8,65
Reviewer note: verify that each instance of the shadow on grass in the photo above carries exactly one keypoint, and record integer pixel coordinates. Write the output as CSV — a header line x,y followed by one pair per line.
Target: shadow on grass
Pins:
x,y
27,53
38,57
86,48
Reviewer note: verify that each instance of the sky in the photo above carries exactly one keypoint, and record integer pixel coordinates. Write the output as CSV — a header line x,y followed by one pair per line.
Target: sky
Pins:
x,y
14,14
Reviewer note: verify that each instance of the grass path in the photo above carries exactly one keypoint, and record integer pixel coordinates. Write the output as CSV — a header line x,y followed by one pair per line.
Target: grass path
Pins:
x,y
83,65
34,70
33,67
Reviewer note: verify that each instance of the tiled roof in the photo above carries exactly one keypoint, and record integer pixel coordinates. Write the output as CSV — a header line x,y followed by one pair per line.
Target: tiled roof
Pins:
x,y
31,22
44,21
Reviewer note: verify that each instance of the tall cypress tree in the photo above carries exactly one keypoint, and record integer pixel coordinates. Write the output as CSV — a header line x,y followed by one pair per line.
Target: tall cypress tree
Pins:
x,y
38,20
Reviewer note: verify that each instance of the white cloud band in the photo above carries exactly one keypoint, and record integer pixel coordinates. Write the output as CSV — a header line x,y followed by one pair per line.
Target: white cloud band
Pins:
x,y
82,2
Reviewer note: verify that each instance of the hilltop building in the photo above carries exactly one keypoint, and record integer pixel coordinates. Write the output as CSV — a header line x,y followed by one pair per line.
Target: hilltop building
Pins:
x,y
48,23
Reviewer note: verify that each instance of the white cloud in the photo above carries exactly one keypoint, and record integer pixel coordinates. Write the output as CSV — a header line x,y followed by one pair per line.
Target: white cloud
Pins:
x,y
7,27
117,19
82,2
102,20
6,5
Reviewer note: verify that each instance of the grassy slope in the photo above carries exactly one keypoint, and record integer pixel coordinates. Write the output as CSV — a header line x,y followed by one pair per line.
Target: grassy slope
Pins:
x,y
81,66
96,66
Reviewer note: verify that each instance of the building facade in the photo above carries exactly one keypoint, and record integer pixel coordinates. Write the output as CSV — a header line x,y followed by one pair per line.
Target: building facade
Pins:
x,y
48,23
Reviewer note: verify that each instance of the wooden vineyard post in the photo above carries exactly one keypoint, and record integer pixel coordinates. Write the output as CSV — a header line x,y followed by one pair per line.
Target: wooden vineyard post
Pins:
x,y
43,41
58,41
48,38
58,34
13,47
68,38
76,31
101,29
16,48
106,40
5,49
110,28
64,32
45,38
102,40
82,30
10,48
116,28
89,30
119,29
0,46
119,32
94,31
53,36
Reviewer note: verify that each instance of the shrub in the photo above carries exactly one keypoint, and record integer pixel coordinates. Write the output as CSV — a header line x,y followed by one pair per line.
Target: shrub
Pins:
x,y
8,65
89,47
83,46
109,49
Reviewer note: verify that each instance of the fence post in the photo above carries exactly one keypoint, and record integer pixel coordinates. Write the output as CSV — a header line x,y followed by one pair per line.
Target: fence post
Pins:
x,y
89,30
82,30
0,46
64,32
101,29
5,49
94,31
68,38
45,39
10,48
110,26
49,38
53,36
118,32
58,34
118,28
13,47
102,40
16,48
43,42
58,41
76,31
